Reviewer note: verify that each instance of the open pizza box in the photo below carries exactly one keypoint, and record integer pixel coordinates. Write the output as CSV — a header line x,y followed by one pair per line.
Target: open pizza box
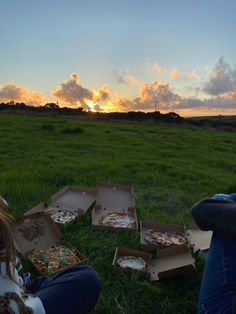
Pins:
x,y
38,232
199,239
114,200
67,204
169,262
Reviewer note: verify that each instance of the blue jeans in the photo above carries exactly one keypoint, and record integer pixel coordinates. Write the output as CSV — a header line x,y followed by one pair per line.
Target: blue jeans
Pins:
x,y
218,288
74,290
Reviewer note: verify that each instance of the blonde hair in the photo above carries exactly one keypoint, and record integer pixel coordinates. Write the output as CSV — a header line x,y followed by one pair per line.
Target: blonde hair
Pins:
x,y
7,245
8,255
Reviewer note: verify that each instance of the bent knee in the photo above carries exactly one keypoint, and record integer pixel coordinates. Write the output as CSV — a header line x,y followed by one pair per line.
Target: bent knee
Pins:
x,y
88,279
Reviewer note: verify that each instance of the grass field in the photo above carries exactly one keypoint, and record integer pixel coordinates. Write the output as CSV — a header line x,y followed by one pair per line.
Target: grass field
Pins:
x,y
169,168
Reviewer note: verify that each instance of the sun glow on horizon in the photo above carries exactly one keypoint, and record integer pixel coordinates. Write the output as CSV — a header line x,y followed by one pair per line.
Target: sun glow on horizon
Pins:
x,y
91,106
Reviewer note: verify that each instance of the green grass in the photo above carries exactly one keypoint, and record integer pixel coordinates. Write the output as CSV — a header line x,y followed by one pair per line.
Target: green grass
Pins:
x,y
169,168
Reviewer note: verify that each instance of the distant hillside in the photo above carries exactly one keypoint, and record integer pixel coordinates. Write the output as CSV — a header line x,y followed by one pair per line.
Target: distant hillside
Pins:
x,y
221,123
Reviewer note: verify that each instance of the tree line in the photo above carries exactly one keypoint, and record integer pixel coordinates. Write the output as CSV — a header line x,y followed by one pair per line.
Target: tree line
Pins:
x,y
129,116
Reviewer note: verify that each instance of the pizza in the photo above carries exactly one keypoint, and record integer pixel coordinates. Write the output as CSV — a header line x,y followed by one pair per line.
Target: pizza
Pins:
x,y
133,262
63,216
54,259
164,238
118,220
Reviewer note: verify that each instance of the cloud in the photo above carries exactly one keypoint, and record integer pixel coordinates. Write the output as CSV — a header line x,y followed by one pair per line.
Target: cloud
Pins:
x,y
159,94
20,93
222,79
125,104
133,80
72,92
125,78
175,74
157,69
154,67
221,85
151,94
120,77
192,75
102,95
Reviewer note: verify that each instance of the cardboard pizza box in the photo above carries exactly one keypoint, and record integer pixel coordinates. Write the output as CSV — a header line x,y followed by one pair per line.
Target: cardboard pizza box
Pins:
x,y
121,252
196,238
200,240
38,232
146,225
73,200
114,198
169,262
74,197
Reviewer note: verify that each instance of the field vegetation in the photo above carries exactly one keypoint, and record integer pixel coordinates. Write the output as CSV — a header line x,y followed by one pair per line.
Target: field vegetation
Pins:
x,y
169,168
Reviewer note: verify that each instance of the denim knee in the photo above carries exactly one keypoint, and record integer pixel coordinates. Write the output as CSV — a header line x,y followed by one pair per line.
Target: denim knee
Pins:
x,y
89,280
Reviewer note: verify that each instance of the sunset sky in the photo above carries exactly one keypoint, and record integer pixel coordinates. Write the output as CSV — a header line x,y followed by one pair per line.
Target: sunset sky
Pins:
x,y
124,55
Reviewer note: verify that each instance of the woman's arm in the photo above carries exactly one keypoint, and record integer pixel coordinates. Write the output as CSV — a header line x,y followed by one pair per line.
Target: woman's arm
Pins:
x,y
216,215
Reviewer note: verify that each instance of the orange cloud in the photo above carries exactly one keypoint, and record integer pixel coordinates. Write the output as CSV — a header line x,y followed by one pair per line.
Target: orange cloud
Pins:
x,y
175,74
133,80
73,94
150,95
20,93
102,95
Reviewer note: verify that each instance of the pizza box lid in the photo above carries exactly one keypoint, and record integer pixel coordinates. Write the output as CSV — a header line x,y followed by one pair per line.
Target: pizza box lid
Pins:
x,y
42,207
145,225
74,197
69,198
170,262
113,198
36,232
200,240
119,252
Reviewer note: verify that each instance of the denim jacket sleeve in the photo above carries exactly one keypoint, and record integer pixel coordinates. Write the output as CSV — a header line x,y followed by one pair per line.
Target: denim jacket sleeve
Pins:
x,y
216,215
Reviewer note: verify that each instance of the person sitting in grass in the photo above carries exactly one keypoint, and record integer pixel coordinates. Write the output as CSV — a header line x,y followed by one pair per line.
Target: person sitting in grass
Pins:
x,y
73,290
218,287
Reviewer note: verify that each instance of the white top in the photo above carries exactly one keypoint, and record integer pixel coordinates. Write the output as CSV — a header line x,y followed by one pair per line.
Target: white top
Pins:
x,y
7,285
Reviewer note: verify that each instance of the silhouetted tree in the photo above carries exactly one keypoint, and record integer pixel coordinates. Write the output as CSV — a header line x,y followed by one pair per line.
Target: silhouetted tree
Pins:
x,y
51,105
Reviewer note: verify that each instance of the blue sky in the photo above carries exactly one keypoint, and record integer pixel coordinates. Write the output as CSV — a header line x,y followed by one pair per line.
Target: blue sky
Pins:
x,y
122,44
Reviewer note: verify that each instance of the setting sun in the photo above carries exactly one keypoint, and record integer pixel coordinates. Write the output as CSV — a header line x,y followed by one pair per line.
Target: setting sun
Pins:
x,y
91,106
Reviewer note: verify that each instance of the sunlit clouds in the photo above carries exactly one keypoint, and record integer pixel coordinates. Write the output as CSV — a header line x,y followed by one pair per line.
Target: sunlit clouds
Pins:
x,y
72,92
217,88
10,91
